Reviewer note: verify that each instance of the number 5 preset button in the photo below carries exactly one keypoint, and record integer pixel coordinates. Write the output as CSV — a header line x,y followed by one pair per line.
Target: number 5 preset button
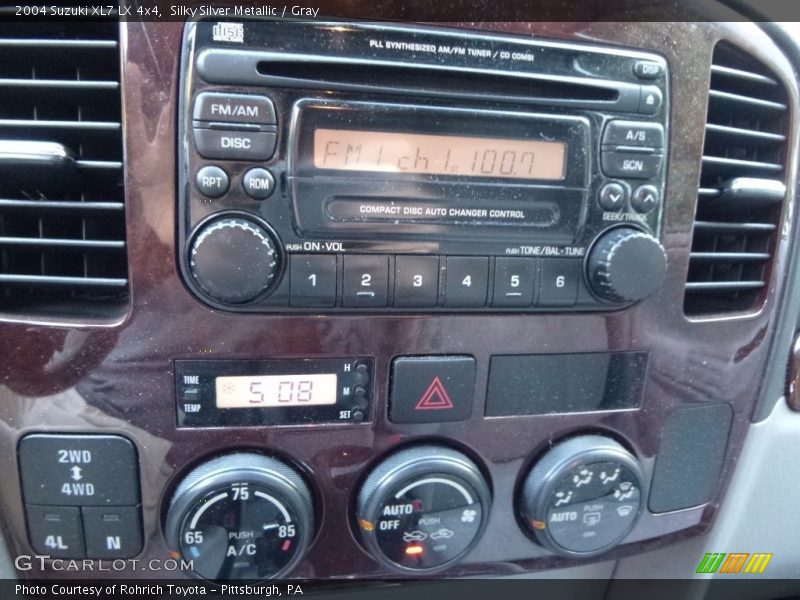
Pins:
x,y
466,281
312,280
514,281
366,281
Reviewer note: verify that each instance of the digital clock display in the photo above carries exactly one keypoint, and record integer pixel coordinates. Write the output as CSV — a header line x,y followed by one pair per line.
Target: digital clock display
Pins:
x,y
395,152
265,391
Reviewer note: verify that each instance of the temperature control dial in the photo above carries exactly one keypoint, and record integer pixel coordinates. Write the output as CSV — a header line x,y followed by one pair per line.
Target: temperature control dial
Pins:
x,y
423,509
583,496
234,259
242,516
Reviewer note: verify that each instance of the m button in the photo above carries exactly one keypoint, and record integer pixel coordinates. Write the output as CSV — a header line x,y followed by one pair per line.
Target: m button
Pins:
x,y
432,389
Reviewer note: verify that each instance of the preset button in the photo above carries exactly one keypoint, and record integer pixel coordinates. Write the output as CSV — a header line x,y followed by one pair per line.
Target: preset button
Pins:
x,y
416,281
466,281
312,280
514,282
366,281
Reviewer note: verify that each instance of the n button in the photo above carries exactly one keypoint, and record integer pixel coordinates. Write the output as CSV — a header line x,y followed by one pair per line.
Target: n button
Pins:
x,y
432,389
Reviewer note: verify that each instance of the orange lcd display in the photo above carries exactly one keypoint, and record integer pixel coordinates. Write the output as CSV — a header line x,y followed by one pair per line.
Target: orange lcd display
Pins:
x,y
396,152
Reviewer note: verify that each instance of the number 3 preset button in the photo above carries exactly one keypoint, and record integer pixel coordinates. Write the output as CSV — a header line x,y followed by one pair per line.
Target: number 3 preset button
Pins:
x,y
466,281
366,281
312,280
416,281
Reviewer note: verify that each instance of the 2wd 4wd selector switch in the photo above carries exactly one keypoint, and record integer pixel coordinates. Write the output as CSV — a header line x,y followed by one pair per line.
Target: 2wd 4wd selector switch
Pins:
x,y
583,496
423,509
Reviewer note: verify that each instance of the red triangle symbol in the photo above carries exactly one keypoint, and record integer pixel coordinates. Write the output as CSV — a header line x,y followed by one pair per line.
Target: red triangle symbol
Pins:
x,y
435,397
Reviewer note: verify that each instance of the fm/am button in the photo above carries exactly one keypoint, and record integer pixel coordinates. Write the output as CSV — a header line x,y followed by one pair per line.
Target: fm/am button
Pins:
x,y
234,108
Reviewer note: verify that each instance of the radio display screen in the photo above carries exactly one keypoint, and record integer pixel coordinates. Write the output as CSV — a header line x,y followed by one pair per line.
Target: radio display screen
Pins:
x,y
267,391
401,152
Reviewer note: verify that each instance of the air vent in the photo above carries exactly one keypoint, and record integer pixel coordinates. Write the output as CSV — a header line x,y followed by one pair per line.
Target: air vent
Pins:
x,y
62,219
741,186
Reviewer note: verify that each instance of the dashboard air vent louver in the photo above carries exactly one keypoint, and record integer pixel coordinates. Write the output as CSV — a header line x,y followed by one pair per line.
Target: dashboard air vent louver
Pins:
x,y
62,219
741,186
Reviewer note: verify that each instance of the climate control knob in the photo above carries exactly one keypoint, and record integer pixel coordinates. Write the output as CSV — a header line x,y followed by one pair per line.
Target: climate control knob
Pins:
x,y
423,509
626,265
241,516
234,259
583,496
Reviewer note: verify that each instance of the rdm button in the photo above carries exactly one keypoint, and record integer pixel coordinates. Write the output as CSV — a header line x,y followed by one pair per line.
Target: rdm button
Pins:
x,y
432,389
78,470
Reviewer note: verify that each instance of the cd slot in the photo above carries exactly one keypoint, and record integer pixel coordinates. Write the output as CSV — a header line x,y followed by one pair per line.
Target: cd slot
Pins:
x,y
249,67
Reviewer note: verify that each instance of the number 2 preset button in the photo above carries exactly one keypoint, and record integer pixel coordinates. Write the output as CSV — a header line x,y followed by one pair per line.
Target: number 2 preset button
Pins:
x,y
366,281
78,470
312,280
466,281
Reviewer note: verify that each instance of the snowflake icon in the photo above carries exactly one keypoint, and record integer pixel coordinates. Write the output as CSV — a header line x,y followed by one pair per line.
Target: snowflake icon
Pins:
x,y
468,516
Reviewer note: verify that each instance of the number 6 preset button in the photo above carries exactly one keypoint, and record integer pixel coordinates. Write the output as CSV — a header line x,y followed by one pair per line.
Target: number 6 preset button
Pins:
x,y
466,281
366,281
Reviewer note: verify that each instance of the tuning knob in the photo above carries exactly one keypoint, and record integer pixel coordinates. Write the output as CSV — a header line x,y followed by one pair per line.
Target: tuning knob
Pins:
x,y
234,259
626,265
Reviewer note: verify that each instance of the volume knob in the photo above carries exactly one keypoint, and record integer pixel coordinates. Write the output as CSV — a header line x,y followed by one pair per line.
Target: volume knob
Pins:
x,y
234,259
626,265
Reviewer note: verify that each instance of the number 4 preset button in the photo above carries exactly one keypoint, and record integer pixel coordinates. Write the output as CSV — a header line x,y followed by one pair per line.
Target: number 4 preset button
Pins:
x,y
312,280
466,281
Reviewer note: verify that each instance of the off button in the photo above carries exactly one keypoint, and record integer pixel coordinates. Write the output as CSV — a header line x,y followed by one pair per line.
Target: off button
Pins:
x,y
258,184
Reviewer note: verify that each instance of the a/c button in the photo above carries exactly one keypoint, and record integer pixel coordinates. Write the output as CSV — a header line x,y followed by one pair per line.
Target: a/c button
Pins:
x,y
432,389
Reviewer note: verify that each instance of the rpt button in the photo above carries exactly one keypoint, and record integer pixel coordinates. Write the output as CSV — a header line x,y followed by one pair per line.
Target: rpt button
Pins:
x,y
78,470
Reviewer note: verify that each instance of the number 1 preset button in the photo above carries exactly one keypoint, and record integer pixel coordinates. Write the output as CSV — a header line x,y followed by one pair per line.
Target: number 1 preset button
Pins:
x,y
366,281
466,281
312,280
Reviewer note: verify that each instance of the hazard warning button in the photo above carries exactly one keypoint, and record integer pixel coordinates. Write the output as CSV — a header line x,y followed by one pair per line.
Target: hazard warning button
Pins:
x,y
432,389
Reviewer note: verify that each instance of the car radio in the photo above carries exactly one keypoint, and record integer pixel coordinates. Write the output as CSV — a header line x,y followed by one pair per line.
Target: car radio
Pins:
x,y
328,166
